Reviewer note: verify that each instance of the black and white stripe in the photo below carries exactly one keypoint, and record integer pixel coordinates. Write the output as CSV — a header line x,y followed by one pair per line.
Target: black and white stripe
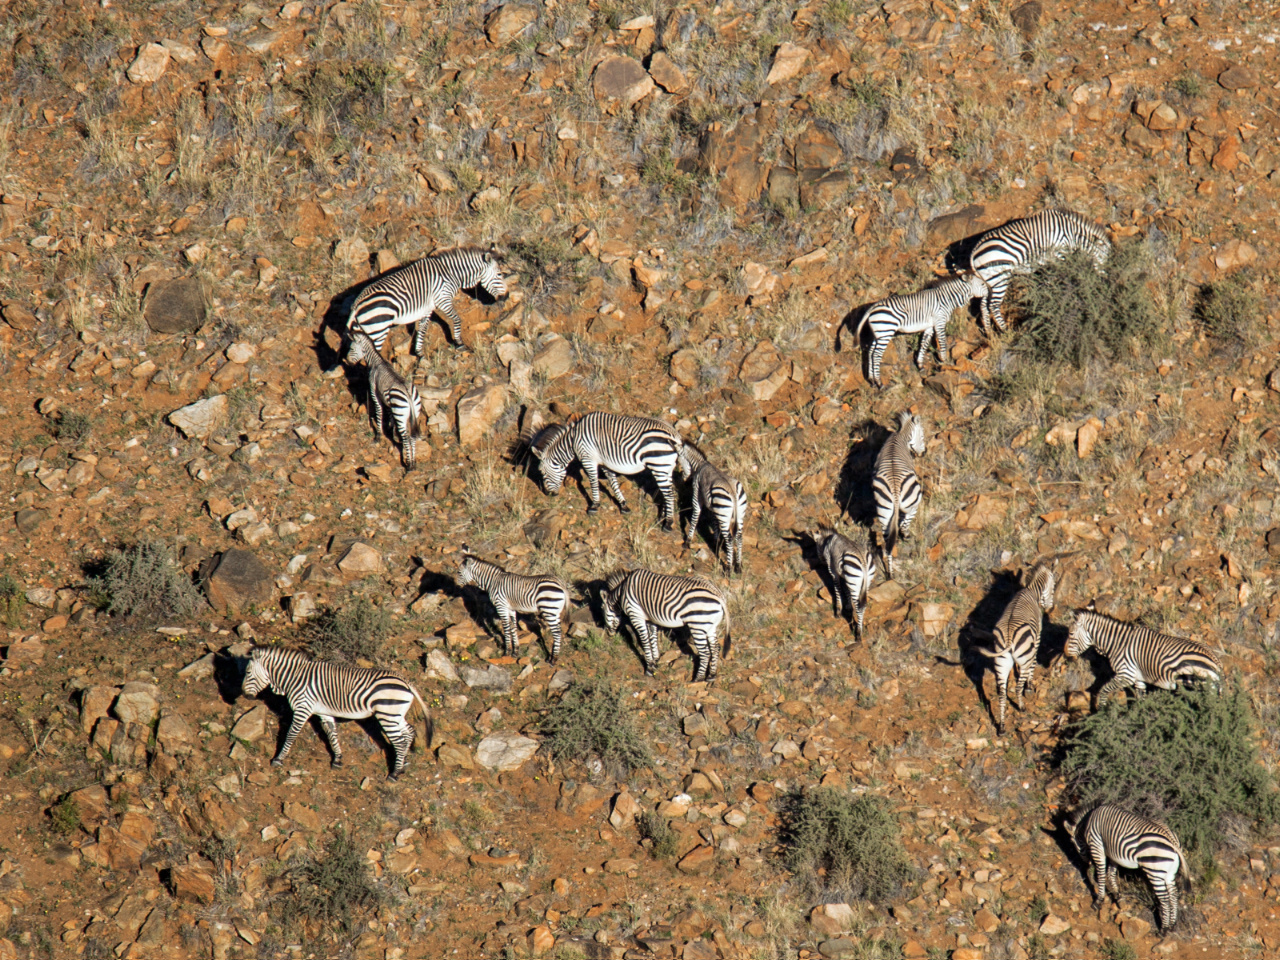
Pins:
x,y
1140,655
1112,837
611,444
651,600
411,292
895,486
852,568
389,390
925,312
514,593
724,498
1019,246
337,690
1017,637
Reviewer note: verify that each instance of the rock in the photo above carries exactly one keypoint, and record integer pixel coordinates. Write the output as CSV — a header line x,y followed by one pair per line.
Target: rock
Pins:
x,y
180,51
1026,19
95,703
986,921
625,811
1234,254
824,190
696,725
1052,926
697,860
969,953
19,317
827,410
241,352
491,678
441,667
621,78
685,368
173,734
150,64
201,669
236,579
832,918
507,22
138,703
788,60
478,411
1235,77
351,252
764,372
1087,437
541,940
91,802
252,725
29,519
554,359
200,419
175,306
192,883
982,513
302,606
360,560
817,149
947,229
666,74
506,750
935,617
455,755
1162,118
840,947
620,865
81,473
1077,701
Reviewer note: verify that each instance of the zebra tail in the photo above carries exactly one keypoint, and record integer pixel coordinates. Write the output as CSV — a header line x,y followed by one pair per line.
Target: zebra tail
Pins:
x,y
891,534
728,639
1184,874
866,314
418,712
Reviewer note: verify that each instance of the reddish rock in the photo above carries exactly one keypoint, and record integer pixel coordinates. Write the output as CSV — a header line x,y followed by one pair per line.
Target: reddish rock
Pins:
x,y
697,860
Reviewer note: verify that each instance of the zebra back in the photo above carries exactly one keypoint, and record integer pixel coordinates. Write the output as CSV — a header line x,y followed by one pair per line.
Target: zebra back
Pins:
x,y
295,675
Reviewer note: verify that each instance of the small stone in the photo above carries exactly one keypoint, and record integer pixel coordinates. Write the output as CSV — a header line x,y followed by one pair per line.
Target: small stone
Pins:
x,y
352,252
175,306
621,78
455,755
173,734
787,63
200,419
191,883
507,22
201,669
440,667
986,921
236,579
95,703
832,918
150,64
620,865
492,677
241,352
554,359
1052,926
505,750
541,940
666,74
252,725
360,560
839,947
625,811
1134,928
685,367
1087,437
138,703
935,617
697,860
30,519
1234,254
1235,77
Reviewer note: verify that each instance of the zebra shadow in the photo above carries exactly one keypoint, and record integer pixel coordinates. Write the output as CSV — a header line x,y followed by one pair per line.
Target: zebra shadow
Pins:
x,y
976,633
811,552
861,340
853,497
956,256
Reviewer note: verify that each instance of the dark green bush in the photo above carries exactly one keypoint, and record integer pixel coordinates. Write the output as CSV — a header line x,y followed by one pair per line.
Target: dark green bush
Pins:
x,y
1229,308
593,719
1185,758
655,828
336,888
356,632
12,601
1069,311
64,816
1118,950
146,581
853,841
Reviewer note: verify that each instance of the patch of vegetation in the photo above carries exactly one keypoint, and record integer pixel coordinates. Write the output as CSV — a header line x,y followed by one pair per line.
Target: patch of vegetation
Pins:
x,y
341,91
71,427
144,580
657,829
1118,950
550,261
1072,312
660,170
1186,758
336,889
355,632
1230,308
64,816
593,719
12,601
1190,84
846,843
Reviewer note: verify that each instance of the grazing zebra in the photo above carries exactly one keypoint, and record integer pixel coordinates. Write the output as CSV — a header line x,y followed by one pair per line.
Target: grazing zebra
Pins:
x,y
512,593
651,600
1017,637
1114,837
411,292
925,312
612,443
1020,246
388,389
895,486
328,690
1140,655
724,498
852,568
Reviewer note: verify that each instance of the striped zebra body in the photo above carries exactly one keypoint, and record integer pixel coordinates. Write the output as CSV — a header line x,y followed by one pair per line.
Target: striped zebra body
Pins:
x,y
513,593
336,691
895,486
724,498
651,600
1017,636
925,312
852,568
409,294
1139,655
389,391
1020,246
611,444
1113,837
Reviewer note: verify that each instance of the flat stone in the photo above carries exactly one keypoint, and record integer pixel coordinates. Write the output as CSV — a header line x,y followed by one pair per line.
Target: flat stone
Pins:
x,y
666,74
173,734
30,519
95,703
175,306
492,677
1237,77
236,579
351,252
505,750
625,811
138,703
507,22
478,411
360,560
150,64
1052,926
621,78
201,669
192,883
455,755
441,667
788,61
839,947
252,725
200,419
697,860
554,359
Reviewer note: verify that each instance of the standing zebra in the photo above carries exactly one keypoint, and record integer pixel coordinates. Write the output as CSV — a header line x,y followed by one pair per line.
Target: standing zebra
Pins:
x,y
1020,246
1140,655
1114,837
724,498
410,293
388,389
512,594
651,600
612,443
895,486
852,568
925,312
329,690
1017,637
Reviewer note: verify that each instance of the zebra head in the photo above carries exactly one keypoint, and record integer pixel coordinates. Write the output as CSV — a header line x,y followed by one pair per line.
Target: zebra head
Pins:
x,y
1042,580
491,276
915,432
977,286
467,570
1079,639
609,599
554,453
256,678
361,349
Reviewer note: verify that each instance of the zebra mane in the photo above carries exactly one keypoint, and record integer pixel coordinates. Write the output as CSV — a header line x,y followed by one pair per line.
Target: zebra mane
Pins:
x,y
615,578
905,419
697,456
541,443
475,248
482,561
279,655
1034,578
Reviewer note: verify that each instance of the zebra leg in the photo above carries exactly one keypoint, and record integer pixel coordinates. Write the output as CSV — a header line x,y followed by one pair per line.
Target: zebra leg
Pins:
x,y
401,736
877,354
593,484
925,338
1167,894
445,309
702,651
737,546
940,339
331,734
611,479
1098,854
692,530
994,298
861,610
551,624
1003,668
509,627
300,718
1111,686
668,491
1139,688
1113,881
905,520
1029,684
375,408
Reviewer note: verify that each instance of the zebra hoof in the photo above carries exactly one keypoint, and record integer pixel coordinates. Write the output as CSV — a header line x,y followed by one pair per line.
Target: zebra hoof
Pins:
x,y
594,508
648,671
667,525
393,777
623,508
277,763
335,764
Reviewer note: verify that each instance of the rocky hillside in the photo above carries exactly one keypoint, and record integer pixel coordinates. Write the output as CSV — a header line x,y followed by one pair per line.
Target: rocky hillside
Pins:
x,y
691,202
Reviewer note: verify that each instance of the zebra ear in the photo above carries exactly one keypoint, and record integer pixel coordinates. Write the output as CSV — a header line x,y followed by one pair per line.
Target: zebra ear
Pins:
x,y
1091,606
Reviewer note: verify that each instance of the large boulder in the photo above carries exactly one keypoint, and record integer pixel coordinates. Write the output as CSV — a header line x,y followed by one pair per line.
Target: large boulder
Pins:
x,y
175,306
236,579
479,410
506,750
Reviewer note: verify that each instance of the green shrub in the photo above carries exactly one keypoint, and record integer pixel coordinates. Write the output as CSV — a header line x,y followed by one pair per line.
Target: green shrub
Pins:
x,y
72,427
1071,312
593,719
1229,308
656,828
12,601
144,581
334,889
845,843
355,632
1185,758
64,816
1118,950
1190,84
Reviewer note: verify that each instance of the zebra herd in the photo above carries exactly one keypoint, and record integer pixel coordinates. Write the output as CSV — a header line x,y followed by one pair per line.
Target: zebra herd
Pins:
x,y
611,444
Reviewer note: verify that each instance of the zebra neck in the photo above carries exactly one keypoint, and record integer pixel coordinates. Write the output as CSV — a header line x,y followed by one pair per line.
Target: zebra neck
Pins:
x,y
485,573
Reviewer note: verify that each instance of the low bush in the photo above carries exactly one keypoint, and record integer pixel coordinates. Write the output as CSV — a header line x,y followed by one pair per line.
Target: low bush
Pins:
x,y
594,720
844,843
64,816
12,601
72,427
1229,309
654,827
146,581
355,632
335,889
1185,758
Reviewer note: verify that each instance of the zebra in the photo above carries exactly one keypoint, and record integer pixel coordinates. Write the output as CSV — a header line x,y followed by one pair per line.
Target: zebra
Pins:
x,y
513,593
612,443
1017,637
925,312
388,389
1019,246
1139,655
410,293
328,690
895,486
852,568
1114,837
651,600
724,498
